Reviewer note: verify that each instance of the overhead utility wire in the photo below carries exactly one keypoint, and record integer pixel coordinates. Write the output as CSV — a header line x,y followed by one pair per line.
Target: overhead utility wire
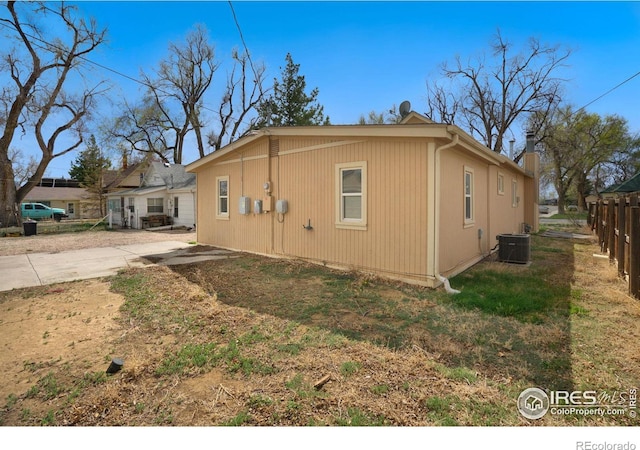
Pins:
x,y
609,91
246,49
84,58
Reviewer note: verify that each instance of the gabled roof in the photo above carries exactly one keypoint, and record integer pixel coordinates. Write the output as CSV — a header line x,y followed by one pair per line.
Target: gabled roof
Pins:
x,y
160,176
56,194
169,175
420,127
113,178
414,118
630,185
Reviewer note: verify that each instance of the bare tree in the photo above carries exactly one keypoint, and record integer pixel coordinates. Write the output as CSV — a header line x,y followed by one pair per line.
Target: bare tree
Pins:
x,y
143,127
182,79
36,102
171,107
488,97
23,166
242,95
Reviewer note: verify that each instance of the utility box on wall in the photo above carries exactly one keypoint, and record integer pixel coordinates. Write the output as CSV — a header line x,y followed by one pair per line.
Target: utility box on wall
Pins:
x,y
282,206
267,203
257,207
244,206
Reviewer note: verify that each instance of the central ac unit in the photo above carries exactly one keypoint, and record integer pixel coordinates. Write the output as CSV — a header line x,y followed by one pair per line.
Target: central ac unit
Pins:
x,y
514,248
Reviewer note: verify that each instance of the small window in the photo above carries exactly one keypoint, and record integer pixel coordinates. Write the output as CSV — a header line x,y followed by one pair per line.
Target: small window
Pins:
x,y
351,195
514,193
132,203
222,209
114,205
155,206
500,184
468,196
175,206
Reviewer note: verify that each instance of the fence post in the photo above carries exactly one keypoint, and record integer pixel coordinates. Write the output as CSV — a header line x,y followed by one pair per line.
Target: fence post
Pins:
x,y
622,232
596,220
611,228
600,226
634,251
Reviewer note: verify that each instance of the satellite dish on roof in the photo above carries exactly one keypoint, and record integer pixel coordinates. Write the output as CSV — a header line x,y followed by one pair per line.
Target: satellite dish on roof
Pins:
x,y
405,108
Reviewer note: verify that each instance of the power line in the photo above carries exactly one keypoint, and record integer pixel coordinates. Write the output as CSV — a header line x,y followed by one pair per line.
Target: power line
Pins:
x,y
609,91
233,12
109,69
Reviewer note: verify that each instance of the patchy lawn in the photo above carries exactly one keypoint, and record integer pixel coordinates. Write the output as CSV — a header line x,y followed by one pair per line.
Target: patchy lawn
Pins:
x,y
257,341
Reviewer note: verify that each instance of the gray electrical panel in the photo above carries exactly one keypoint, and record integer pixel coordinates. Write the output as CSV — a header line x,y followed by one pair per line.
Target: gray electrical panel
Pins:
x,y
244,207
282,206
257,207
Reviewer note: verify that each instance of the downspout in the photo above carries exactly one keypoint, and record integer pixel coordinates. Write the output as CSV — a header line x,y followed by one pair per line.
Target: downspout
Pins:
x,y
436,186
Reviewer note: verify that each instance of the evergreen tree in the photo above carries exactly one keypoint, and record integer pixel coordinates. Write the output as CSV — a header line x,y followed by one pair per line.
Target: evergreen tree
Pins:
x,y
289,105
89,164
88,169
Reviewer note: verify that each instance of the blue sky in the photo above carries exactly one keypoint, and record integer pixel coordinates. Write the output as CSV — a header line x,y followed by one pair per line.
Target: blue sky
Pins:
x,y
365,56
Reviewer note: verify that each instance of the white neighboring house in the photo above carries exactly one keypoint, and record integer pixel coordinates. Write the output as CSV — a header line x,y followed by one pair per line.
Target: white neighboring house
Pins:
x,y
166,196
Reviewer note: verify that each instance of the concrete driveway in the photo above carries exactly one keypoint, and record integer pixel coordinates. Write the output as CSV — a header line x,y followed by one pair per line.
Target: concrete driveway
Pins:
x,y
38,269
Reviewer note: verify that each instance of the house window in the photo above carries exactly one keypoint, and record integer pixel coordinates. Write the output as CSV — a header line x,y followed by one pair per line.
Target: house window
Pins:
x,y
175,206
514,193
468,196
131,206
222,211
71,208
351,195
155,205
114,205
500,184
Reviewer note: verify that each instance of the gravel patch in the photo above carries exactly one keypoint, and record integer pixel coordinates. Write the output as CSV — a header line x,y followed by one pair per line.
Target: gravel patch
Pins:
x,y
54,243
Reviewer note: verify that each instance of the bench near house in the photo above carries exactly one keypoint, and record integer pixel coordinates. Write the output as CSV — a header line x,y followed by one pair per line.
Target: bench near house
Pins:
x,y
414,201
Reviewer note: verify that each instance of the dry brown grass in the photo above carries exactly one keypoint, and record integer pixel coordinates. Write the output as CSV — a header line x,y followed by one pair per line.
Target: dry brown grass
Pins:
x,y
463,367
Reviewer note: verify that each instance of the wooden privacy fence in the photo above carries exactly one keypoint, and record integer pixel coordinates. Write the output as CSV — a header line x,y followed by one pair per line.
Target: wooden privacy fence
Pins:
x,y
616,222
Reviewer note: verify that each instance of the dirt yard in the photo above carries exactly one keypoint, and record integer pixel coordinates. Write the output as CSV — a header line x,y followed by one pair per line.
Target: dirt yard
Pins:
x,y
72,322
54,243
195,355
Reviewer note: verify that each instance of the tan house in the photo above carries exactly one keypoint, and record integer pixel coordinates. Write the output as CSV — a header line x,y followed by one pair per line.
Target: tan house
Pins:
x,y
415,201
76,201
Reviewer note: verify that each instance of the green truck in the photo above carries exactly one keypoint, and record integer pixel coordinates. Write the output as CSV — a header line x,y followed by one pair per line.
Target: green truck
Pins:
x,y
37,211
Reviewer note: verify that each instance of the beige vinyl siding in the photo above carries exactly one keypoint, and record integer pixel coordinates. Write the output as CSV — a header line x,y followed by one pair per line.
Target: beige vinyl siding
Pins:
x,y
395,239
247,172
303,170
303,173
461,245
458,238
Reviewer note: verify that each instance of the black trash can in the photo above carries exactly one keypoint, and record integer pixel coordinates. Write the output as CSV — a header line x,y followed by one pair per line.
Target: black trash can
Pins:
x,y
30,228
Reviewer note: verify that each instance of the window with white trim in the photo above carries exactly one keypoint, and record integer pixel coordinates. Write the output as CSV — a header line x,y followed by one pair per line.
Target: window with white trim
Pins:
x,y
500,184
175,206
155,205
468,196
113,205
514,193
222,196
351,195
